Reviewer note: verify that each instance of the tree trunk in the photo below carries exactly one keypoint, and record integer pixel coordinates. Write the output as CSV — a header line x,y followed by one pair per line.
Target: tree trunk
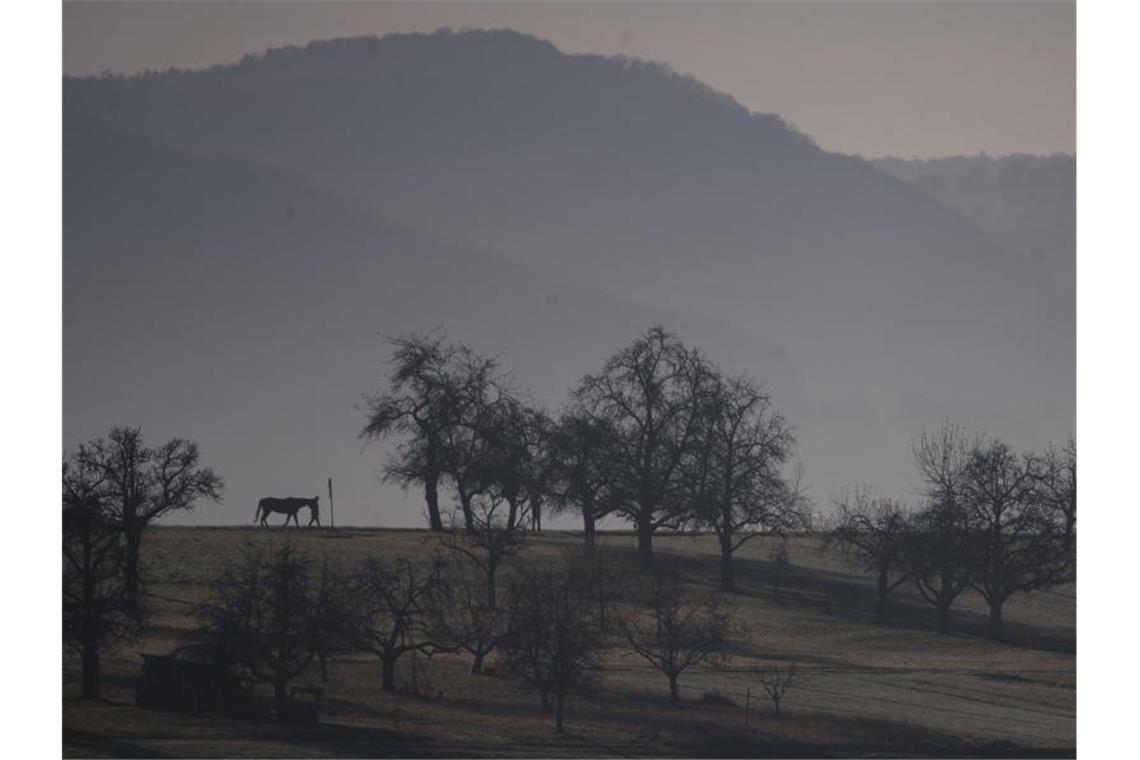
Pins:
x,y
535,515
645,542
776,704
388,674
131,567
943,618
674,692
997,627
281,698
884,590
477,663
590,529
727,570
90,657
432,475
558,709
512,515
431,496
465,503
543,693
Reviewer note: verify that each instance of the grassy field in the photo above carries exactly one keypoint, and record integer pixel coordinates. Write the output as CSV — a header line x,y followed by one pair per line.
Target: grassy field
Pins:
x,y
866,690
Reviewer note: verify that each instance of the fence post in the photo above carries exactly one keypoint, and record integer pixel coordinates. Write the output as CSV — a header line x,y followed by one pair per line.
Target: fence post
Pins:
x,y
332,513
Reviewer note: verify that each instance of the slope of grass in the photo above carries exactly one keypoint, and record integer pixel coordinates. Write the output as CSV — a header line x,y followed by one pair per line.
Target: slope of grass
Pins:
x,y
865,689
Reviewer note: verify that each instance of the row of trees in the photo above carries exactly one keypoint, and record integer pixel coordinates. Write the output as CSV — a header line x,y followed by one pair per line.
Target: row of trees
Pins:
x,y
659,437
992,520
113,489
274,613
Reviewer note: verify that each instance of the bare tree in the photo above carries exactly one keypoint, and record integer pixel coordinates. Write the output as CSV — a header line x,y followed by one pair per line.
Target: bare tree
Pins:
x,y
941,550
578,475
429,390
1020,547
777,681
673,631
555,638
142,484
649,398
96,608
472,394
873,532
389,613
270,615
941,556
741,490
540,465
489,547
1056,474
512,468
461,617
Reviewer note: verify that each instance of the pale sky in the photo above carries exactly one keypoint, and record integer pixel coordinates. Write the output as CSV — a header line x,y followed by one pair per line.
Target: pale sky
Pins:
x,y
874,78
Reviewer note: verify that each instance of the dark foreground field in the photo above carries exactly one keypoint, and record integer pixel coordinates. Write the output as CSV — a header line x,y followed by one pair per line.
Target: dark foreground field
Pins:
x,y
866,690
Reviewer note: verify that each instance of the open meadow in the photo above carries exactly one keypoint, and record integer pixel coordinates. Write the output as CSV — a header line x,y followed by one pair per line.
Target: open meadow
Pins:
x,y
864,689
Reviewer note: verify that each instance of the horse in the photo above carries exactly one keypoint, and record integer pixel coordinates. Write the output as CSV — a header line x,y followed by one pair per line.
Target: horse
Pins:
x,y
289,507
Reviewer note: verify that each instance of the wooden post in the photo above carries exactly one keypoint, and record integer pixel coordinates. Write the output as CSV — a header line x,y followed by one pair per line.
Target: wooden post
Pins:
x,y
332,514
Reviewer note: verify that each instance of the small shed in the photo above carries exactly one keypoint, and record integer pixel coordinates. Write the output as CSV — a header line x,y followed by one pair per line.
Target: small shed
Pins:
x,y
173,682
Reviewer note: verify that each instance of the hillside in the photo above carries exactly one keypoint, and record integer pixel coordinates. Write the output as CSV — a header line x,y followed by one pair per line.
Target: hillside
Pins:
x,y
599,175
235,304
865,690
1027,204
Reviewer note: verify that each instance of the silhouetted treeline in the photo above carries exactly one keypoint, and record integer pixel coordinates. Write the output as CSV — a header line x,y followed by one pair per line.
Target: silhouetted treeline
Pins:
x,y
272,614
659,436
992,520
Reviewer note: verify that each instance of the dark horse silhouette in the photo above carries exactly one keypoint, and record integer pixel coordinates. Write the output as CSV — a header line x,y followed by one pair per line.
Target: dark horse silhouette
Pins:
x,y
289,507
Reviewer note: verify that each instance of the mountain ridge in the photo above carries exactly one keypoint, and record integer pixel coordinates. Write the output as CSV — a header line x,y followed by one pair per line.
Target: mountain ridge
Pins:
x,y
621,180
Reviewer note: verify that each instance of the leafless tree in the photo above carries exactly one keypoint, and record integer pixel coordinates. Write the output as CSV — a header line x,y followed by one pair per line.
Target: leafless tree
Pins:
x,y
489,547
429,391
941,556
540,465
555,638
389,615
741,491
1018,547
674,631
142,484
873,532
941,551
96,609
577,475
777,681
513,469
461,617
1056,474
270,614
473,391
649,398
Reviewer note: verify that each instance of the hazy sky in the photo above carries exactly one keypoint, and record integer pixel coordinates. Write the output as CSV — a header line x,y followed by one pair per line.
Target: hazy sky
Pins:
x,y
905,78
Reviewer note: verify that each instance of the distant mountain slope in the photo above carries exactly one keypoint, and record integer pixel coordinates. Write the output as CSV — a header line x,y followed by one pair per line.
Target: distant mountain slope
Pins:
x,y
1028,204
610,173
233,303
621,177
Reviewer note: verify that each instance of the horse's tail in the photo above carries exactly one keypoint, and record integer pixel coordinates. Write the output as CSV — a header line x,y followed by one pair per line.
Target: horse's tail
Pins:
x,y
257,512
